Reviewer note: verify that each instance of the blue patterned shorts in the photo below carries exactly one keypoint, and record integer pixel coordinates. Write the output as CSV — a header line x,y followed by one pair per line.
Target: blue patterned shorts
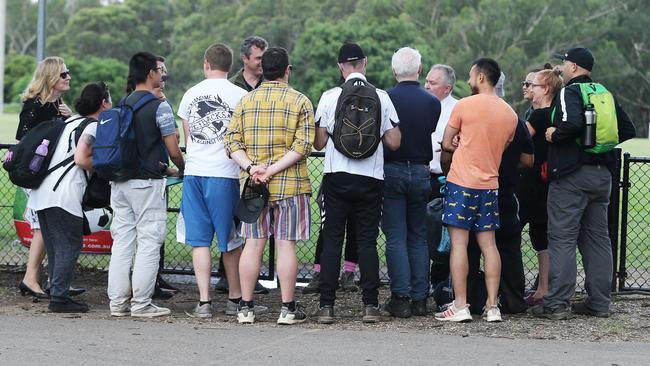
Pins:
x,y
471,209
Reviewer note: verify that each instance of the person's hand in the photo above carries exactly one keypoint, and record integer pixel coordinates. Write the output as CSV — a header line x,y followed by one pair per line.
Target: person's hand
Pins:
x,y
173,172
455,141
549,134
65,110
256,172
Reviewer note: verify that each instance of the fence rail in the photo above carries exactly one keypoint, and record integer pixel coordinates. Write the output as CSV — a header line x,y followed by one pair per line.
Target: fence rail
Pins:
x,y
631,268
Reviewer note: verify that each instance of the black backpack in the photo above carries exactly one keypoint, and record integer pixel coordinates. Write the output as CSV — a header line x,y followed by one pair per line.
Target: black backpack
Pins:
x,y
357,126
19,156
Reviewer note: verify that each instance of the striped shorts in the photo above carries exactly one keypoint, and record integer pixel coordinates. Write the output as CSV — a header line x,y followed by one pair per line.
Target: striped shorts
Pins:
x,y
287,219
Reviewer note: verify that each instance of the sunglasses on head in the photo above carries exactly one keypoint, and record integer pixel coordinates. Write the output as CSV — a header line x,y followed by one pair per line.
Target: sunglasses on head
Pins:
x,y
65,74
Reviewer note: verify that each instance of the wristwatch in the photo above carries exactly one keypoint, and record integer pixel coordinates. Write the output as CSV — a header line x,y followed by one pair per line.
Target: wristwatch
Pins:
x,y
248,168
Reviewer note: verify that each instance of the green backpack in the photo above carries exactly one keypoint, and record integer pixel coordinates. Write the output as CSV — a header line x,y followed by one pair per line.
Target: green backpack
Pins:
x,y
606,122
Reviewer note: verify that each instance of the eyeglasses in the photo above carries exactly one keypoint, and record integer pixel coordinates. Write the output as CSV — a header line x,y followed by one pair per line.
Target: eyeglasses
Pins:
x,y
526,84
161,69
65,74
534,85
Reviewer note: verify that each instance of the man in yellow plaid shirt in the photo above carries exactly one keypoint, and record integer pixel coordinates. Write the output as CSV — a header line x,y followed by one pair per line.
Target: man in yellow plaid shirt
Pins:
x,y
270,136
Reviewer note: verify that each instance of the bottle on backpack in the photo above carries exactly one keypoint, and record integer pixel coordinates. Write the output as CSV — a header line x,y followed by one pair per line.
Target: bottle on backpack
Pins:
x,y
39,156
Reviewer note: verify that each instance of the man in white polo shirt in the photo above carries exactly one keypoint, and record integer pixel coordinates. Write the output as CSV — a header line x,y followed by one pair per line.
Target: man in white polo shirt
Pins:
x,y
352,189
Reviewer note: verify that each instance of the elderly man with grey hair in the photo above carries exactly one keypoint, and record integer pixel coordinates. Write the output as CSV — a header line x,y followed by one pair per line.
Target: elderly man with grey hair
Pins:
x,y
251,51
406,188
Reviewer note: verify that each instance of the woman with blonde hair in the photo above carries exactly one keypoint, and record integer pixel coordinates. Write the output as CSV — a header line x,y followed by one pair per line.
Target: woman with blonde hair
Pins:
x,y
41,102
543,88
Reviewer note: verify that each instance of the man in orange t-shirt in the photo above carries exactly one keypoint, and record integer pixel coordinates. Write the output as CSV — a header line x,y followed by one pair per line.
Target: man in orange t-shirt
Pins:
x,y
485,125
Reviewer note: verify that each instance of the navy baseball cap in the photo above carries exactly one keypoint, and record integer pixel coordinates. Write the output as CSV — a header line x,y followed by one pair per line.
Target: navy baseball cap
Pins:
x,y
350,52
254,198
580,56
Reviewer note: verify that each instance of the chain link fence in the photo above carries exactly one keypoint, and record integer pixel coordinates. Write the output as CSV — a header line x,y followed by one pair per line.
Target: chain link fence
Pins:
x,y
177,257
634,268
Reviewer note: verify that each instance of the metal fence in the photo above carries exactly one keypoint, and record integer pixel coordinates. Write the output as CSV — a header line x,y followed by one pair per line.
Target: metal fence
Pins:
x,y
177,257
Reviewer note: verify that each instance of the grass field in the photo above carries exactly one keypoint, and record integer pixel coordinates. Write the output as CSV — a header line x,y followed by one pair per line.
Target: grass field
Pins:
x,y
178,256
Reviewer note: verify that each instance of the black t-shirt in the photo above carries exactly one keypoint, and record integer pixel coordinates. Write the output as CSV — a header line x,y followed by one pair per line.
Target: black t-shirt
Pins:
x,y
521,143
34,112
540,120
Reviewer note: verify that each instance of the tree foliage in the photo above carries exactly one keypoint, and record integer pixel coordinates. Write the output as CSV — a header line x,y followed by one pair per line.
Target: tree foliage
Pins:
x,y
519,34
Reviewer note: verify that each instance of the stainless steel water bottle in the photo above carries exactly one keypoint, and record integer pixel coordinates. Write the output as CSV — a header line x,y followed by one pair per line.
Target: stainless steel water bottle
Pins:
x,y
589,133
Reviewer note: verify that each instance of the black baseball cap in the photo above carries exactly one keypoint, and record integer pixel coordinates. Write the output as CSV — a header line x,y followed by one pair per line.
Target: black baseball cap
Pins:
x,y
350,52
253,199
580,55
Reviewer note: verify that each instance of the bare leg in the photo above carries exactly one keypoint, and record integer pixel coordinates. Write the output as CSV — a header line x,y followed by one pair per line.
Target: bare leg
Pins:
x,y
231,266
458,263
287,268
202,261
249,266
491,264
542,286
36,255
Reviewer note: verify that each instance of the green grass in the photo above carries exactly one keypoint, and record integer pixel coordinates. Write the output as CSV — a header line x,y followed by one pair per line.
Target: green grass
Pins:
x,y
8,126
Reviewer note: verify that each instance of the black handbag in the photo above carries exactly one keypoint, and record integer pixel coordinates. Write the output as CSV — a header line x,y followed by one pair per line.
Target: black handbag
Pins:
x,y
97,193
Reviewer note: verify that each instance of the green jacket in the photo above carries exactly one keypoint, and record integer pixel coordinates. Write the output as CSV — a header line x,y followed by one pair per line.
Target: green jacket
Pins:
x,y
238,79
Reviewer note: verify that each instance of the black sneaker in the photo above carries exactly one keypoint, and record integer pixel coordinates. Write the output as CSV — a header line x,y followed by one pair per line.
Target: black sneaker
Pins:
x,y
260,289
582,308
325,315
559,313
313,285
398,306
161,294
419,307
346,282
221,287
371,314
69,306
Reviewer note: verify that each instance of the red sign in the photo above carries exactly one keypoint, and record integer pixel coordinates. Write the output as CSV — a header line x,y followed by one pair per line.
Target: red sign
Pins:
x,y
96,243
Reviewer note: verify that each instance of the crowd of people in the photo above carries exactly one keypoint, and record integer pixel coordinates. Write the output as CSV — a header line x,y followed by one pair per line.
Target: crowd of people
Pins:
x,y
389,156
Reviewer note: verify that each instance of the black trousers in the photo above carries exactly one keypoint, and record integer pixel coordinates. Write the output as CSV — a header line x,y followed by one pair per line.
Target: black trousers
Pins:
x,y
350,253
358,198
62,234
508,238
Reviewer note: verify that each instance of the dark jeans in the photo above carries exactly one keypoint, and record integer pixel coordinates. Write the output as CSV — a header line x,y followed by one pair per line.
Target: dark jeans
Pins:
x,y
356,197
350,253
62,234
577,217
508,238
406,190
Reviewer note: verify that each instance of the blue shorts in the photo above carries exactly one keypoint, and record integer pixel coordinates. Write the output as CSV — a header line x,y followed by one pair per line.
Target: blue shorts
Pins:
x,y
471,209
208,206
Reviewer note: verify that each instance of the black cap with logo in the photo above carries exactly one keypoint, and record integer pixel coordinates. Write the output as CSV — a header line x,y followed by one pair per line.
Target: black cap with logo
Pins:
x,y
350,52
580,56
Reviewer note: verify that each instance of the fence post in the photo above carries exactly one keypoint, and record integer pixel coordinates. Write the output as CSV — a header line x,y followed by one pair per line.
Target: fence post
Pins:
x,y
625,188
613,212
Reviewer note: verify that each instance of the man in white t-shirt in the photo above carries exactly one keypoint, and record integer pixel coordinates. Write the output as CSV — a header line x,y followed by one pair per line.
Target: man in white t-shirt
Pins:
x,y
211,183
352,189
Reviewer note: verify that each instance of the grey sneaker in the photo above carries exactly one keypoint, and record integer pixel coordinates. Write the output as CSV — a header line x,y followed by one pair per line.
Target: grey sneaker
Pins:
x,y
371,314
233,309
201,311
245,315
122,312
347,282
325,315
313,285
559,313
291,317
150,311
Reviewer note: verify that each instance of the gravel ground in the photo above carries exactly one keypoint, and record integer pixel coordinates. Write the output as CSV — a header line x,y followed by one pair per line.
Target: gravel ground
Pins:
x,y
630,320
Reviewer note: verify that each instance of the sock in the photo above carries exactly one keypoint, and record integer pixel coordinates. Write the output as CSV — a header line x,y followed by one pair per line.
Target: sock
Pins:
x,y
317,268
201,303
349,266
249,304
290,305
235,301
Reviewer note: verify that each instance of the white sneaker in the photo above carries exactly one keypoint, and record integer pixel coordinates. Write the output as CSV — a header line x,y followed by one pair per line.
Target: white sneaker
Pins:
x,y
492,313
150,311
121,312
454,314
246,315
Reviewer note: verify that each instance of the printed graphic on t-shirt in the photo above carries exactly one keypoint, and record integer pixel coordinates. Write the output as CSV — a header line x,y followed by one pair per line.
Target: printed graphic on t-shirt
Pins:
x,y
208,119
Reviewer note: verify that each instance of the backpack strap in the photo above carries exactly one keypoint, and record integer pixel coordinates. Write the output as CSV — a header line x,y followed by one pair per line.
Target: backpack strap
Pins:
x,y
142,101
